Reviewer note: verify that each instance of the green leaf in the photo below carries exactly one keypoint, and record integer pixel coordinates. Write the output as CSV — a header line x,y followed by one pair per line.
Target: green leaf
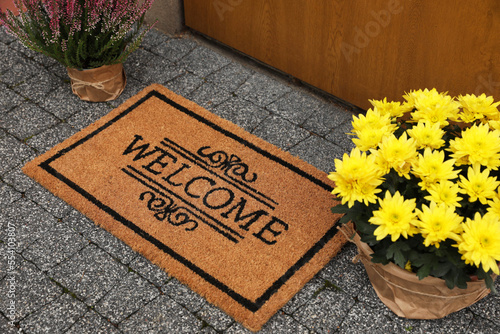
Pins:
x,y
424,271
340,208
395,252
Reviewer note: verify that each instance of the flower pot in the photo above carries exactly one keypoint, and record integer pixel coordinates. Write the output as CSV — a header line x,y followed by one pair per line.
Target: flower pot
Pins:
x,y
99,84
408,297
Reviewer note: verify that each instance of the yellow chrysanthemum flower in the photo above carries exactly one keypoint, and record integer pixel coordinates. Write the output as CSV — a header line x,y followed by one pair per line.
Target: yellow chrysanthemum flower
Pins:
x,y
477,145
479,185
394,109
433,106
480,243
437,223
431,168
477,107
371,128
372,119
397,153
494,205
408,266
427,135
370,137
395,217
494,124
356,178
445,192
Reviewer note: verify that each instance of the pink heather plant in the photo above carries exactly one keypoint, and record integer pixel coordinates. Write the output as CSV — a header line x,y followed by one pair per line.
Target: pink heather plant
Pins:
x,y
80,34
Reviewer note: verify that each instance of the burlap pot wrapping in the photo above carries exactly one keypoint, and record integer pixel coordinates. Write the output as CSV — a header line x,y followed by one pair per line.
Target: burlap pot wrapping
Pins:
x,y
409,297
99,84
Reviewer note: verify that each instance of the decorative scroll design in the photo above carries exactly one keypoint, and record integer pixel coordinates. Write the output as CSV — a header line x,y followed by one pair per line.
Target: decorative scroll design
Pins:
x,y
227,163
167,209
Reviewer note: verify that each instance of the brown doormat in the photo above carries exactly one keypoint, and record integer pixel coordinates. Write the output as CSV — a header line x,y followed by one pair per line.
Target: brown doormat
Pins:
x,y
239,221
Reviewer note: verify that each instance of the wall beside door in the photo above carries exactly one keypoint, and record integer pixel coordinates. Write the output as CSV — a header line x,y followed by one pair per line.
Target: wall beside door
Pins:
x,y
364,49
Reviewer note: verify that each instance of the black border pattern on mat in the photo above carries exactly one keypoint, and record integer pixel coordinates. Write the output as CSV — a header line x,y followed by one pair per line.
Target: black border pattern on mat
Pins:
x,y
252,306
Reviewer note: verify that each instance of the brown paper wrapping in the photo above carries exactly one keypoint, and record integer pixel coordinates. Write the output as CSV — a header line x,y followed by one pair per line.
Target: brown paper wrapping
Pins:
x,y
100,84
407,296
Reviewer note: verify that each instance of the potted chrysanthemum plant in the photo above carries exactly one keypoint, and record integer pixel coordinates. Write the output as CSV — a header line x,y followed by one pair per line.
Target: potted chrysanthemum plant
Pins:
x,y
422,189
91,38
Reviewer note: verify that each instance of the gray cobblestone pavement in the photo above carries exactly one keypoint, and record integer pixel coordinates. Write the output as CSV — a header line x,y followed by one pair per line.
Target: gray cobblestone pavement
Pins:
x,y
73,277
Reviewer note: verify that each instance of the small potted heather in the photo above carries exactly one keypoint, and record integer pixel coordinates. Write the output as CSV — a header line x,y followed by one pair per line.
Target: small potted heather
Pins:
x,y
91,38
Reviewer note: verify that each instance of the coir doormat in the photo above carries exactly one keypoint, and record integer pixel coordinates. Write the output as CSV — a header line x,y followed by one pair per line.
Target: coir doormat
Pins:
x,y
239,221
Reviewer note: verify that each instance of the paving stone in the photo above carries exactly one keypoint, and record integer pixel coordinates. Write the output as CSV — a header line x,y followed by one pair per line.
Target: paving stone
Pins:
x,y
230,77
60,71
8,99
279,323
162,315
55,247
78,222
482,326
238,328
340,136
202,61
153,38
47,139
137,62
48,201
111,244
31,290
368,296
56,317
39,86
185,84
175,48
184,295
208,96
280,132
241,112
297,106
262,90
20,71
7,195
63,103
318,152
215,317
30,221
304,295
128,296
158,70
6,37
207,330
6,327
489,306
149,271
89,115
10,260
363,319
327,118
457,322
27,120
18,180
348,276
92,323
19,47
38,57
282,323
89,274
132,88
325,312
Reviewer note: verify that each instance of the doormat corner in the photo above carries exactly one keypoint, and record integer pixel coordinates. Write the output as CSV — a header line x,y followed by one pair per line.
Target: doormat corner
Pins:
x,y
238,220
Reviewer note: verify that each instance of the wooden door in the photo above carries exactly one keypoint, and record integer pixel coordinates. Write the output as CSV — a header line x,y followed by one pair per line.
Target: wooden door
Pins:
x,y
364,49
